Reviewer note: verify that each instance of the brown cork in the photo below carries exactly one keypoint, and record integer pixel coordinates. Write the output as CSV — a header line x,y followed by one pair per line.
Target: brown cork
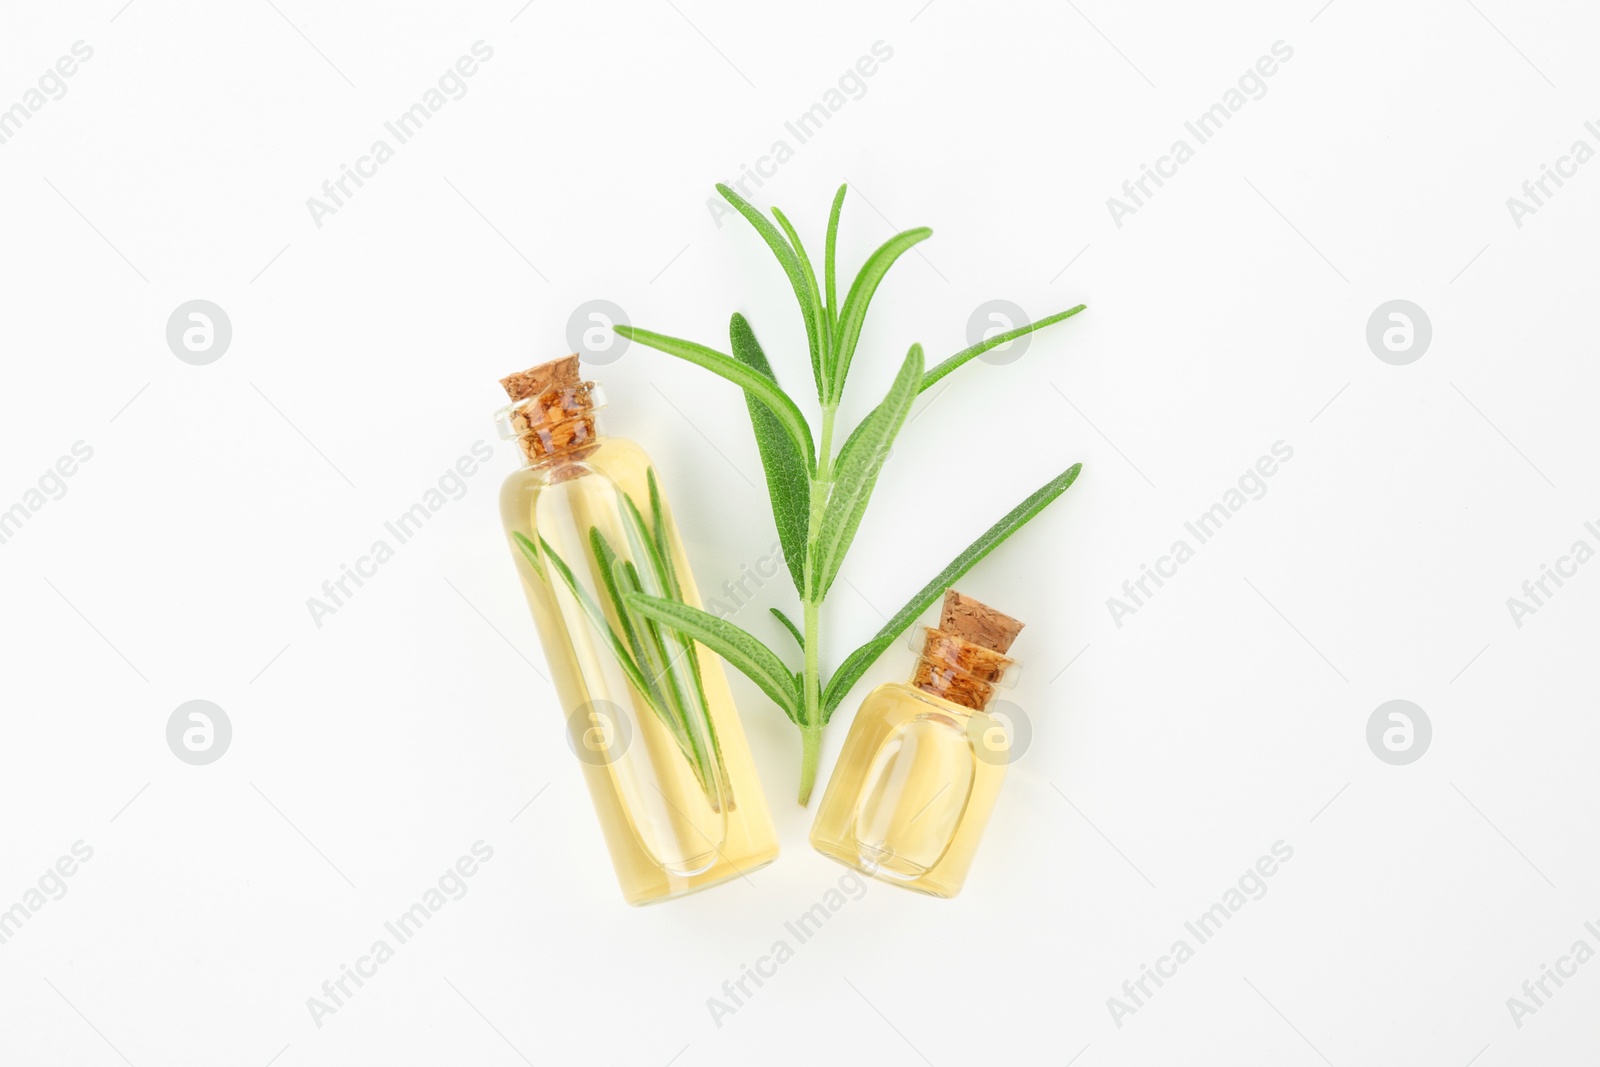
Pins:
x,y
546,376
977,622
964,658
552,411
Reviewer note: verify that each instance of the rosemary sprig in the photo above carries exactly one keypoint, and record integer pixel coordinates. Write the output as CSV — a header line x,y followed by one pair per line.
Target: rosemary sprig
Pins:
x,y
818,495
660,662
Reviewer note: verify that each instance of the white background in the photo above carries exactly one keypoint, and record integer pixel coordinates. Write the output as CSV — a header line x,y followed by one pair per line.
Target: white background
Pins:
x,y
1229,713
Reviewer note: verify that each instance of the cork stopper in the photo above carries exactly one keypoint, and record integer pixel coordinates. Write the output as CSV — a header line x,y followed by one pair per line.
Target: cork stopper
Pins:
x,y
526,384
964,658
977,622
552,411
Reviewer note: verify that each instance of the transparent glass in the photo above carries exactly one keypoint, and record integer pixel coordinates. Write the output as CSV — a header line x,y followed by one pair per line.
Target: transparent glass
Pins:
x,y
912,791
671,774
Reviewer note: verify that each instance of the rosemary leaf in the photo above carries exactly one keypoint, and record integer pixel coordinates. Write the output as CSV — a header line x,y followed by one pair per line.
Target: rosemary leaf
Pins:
x,y
761,386
829,256
996,341
592,611
787,477
854,312
611,570
790,262
747,654
856,664
856,474
794,631
819,311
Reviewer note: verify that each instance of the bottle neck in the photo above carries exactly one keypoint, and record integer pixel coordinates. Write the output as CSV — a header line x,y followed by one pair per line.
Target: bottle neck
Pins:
x,y
957,670
558,425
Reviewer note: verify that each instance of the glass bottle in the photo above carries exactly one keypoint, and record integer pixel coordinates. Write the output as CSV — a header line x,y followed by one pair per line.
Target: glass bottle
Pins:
x,y
649,713
923,762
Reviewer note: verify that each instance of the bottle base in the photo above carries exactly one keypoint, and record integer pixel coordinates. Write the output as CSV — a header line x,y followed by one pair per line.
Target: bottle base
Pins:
x,y
724,871
924,884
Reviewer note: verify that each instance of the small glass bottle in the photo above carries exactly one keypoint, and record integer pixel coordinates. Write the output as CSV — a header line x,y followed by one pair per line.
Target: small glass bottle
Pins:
x,y
649,713
923,762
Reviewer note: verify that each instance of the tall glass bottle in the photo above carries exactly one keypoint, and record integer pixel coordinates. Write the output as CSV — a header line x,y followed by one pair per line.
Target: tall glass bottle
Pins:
x,y
923,762
649,713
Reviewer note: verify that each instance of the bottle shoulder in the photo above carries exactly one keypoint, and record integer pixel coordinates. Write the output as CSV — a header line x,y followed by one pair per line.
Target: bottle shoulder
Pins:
x,y
901,702
615,458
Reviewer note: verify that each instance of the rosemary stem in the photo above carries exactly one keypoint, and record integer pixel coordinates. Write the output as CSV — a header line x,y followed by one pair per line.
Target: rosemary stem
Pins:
x,y
810,750
811,727
811,721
